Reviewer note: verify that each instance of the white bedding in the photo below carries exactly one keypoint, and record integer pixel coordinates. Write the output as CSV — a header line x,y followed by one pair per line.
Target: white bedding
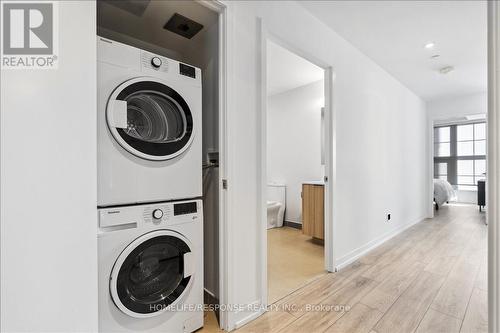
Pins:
x,y
443,192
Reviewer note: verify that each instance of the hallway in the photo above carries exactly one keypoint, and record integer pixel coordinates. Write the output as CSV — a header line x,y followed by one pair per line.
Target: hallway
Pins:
x,y
430,278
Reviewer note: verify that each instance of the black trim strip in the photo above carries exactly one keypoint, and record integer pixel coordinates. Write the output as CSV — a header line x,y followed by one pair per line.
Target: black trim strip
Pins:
x,y
145,203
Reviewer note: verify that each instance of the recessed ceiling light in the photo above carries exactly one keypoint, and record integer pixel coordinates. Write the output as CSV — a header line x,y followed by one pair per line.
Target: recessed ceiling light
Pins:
x,y
429,46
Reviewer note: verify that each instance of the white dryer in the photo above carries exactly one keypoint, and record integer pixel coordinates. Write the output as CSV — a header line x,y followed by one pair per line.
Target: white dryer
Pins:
x,y
149,126
151,268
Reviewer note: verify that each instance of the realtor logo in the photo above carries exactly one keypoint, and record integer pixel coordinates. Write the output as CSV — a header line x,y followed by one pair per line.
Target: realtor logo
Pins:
x,y
29,35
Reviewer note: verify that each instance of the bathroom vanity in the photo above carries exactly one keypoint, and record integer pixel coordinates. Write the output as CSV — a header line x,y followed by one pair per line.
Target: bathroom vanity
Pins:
x,y
313,209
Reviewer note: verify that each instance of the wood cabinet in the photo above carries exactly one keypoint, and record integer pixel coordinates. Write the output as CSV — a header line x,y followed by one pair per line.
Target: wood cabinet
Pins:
x,y
313,210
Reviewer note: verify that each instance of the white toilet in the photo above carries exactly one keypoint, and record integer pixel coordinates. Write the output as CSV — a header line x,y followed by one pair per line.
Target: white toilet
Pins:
x,y
276,199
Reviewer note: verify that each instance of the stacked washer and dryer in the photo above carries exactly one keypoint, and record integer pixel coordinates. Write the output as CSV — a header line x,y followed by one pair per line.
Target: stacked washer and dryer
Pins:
x,y
150,233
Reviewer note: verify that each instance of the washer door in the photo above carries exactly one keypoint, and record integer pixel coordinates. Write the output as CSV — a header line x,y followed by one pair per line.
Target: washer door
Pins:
x,y
152,273
149,119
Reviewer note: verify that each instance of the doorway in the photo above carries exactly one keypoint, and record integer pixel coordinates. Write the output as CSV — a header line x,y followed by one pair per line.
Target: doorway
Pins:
x,y
458,176
144,26
459,161
297,162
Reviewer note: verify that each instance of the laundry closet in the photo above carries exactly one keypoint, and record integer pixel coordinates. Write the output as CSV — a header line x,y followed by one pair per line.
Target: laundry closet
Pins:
x,y
180,38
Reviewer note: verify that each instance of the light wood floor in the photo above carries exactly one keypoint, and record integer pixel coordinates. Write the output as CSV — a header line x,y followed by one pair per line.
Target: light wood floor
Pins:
x,y
210,324
293,260
431,278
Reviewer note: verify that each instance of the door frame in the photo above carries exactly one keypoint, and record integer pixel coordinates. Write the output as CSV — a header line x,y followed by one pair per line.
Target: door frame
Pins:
x,y
493,182
431,124
224,167
330,153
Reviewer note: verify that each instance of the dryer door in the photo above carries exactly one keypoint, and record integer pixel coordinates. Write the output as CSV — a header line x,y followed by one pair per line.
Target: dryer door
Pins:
x,y
154,272
150,119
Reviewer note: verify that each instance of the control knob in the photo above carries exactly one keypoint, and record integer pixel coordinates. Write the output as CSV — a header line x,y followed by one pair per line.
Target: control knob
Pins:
x,y
156,62
157,214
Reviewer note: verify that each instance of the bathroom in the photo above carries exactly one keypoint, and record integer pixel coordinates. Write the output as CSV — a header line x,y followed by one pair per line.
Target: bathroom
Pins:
x,y
295,186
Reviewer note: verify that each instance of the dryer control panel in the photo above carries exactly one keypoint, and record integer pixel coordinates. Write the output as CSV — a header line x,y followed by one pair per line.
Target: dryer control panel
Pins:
x,y
167,213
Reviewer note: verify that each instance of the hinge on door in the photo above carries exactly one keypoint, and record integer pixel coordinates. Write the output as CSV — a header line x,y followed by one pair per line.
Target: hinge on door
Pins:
x,y
224,184
325,179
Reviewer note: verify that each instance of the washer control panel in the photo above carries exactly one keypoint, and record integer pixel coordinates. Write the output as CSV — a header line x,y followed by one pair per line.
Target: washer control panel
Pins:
x,y
168,213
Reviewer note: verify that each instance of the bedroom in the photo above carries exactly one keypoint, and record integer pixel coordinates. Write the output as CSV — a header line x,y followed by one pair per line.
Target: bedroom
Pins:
x,y
459,151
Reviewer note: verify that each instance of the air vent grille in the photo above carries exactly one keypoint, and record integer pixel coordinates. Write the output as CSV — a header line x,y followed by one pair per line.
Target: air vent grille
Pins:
x,y
183,26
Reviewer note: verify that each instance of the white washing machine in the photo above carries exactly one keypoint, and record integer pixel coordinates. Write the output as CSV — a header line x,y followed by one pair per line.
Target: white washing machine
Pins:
x,y
151,267
149,126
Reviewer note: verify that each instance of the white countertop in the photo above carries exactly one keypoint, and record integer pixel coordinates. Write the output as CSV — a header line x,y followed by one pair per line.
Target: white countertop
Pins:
x,y
314,182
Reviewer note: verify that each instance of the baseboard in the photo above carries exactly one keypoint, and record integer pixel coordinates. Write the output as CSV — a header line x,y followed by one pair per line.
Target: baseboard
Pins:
x,y
362,250
292,224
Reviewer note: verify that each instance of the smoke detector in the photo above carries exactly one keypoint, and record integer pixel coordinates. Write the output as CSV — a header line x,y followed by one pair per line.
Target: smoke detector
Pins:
x,y
446,69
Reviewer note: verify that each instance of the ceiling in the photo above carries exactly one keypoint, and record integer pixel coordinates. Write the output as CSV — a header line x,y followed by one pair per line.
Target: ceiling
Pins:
x,y
144,21
286,70
393,34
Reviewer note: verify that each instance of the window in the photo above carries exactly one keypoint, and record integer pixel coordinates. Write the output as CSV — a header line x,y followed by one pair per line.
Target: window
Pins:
x,y
460,154
441,170
442,141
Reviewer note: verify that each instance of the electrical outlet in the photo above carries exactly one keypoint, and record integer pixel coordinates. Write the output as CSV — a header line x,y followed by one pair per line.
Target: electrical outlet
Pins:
x,y
388,217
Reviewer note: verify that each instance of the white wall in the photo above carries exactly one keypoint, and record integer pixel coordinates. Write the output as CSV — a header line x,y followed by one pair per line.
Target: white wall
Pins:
x,y
294,142
48,193
381,142
467,197
446,108
449,109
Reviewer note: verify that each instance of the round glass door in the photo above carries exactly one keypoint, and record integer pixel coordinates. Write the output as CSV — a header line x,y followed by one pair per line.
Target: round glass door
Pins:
x,y
149,274
156,122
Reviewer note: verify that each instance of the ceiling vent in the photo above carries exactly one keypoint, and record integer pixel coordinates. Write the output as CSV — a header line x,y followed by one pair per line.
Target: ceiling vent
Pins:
x,y
183,26
135,7
446,69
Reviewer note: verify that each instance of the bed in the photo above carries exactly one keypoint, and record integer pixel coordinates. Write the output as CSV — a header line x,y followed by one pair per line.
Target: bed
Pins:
x,y
443,192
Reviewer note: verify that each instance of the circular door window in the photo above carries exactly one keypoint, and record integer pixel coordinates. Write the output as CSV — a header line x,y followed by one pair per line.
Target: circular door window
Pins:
x,y
149,119
151,274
